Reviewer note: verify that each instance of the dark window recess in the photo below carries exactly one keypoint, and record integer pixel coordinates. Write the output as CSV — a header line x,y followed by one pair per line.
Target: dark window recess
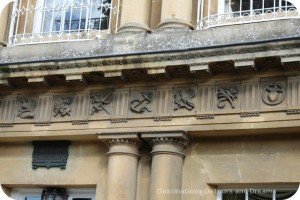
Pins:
x,y
81,198
50,154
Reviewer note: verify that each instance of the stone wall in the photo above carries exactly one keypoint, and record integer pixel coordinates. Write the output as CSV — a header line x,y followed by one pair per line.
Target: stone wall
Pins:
x,y
209,162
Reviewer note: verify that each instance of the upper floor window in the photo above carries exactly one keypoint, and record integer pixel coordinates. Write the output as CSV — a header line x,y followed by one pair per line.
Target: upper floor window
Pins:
x,y
257,192
226,12
37,21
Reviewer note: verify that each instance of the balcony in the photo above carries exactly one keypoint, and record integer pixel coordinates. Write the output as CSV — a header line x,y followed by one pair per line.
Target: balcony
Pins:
x,y
44,21
227,12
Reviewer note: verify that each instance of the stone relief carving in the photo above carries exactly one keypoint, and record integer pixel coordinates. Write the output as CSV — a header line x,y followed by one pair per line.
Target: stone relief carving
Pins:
x,y
142,105
62,106
273,94
139,102
183,99
99,103
226,94
26,107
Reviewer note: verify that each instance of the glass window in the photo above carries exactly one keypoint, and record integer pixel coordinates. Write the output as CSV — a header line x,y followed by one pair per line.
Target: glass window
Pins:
x,y
36,193
257,193
32,198
71,15
37,21
224,12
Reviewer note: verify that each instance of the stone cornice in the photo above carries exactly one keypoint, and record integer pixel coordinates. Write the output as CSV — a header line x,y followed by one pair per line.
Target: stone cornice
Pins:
x,y
288,49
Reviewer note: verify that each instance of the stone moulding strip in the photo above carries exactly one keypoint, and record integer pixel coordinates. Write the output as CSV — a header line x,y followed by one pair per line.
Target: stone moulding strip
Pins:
x,y
6,125
293,111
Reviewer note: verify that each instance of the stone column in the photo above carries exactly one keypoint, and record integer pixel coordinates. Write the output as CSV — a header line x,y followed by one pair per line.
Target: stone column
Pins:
x,y
176,13
122,169
135,15
4,17
167,162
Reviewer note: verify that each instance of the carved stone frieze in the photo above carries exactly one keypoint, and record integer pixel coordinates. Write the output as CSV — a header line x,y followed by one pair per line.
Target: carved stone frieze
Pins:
x,y
248,98
99,103
273,94
62,106
142,104
227,95
183,99
26,108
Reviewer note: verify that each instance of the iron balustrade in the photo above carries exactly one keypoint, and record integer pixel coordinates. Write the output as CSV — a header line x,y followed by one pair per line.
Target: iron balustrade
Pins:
x,y
213,13
45,21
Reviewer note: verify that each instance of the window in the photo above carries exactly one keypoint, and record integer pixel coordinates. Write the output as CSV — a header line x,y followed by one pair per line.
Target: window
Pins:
x,y
226,12
72,15
36,193
257,193
36,21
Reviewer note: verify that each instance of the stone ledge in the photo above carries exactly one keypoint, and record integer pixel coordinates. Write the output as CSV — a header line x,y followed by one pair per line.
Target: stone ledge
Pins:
x,y
159,41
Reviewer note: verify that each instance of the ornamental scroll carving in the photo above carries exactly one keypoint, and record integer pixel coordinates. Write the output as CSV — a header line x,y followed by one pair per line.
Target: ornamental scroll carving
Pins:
x,y
99,103
62,106
26,107
141,105
183,99
273,94
226,95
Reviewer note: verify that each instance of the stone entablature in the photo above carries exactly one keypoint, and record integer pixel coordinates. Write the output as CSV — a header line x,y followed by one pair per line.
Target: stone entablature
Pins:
x,y
196,64
248,98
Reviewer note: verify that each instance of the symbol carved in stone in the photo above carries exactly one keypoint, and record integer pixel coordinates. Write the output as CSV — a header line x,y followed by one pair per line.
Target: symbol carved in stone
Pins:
x,y
273,94
99,103
26,108
62,106
141,105
228,94
183,99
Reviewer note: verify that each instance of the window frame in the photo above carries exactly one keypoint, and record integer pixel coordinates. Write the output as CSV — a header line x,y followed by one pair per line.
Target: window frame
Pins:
x,y
22,193
274,188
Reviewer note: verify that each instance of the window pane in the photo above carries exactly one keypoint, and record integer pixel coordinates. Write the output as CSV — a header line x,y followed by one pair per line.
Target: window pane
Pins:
x,y
260,194
81,198
282,195
32,198
233,196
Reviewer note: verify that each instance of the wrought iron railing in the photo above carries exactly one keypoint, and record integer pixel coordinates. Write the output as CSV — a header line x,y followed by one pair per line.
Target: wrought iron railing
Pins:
x,y
43,21
226,12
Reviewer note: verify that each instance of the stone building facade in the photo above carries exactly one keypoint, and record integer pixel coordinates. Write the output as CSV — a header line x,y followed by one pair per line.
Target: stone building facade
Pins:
x,y
150,99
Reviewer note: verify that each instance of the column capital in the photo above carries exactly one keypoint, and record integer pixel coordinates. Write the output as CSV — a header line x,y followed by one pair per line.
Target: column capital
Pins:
x,y
116,141
167,142
121,144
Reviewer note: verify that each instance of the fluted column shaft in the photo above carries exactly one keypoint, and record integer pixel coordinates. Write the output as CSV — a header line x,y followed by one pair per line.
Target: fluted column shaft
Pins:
x,y
122,169
176,13
135,15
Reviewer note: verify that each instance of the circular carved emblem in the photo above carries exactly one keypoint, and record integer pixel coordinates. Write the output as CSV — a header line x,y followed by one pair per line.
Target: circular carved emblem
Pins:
x,y
273,94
